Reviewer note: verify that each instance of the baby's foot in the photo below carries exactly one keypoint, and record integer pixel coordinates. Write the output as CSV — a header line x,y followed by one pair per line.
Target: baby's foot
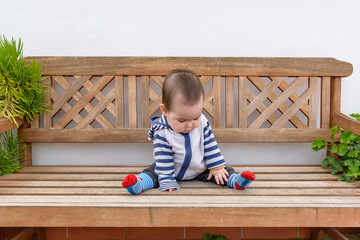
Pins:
x,y
242,180
133,184
137,184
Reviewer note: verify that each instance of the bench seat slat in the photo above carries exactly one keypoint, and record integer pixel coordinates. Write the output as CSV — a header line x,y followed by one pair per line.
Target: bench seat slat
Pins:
x,y
117,177
191,184
179,201
184,192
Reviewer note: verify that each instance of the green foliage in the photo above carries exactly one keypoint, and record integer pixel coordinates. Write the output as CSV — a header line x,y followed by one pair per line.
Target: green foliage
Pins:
x,y
347,149
209,236
21,91
10,156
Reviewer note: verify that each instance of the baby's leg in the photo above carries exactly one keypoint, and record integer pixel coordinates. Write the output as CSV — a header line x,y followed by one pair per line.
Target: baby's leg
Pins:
x,y
144,181
236,181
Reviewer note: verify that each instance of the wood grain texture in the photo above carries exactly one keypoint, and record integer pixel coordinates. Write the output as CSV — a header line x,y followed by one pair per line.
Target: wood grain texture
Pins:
x,y
225,66
229,102
311,195
6,125
347,123
140,135
325,102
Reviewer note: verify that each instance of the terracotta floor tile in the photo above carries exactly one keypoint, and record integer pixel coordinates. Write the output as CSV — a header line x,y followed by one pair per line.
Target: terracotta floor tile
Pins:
x,y
96,233
155,233
228,232
54,233
270,233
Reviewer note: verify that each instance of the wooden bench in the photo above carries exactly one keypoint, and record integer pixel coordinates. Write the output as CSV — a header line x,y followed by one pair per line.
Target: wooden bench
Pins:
x,y
279,100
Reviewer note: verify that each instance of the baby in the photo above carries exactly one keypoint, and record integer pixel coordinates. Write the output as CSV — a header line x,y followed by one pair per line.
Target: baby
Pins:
x,y
184,145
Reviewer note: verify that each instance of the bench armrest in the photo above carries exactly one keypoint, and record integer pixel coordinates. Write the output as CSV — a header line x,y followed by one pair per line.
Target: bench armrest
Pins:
x,y
6,125
346,122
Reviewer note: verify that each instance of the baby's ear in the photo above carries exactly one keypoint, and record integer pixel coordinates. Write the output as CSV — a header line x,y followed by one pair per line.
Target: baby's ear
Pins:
x,y
163,109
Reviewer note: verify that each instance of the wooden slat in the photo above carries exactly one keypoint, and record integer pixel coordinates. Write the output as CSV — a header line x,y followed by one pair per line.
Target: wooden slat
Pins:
x,y
66,107
158,80
313,105
184,185
132,101
26,234
117,177
208,107
333,184
276,104
145,101
72,90
294,97
346,122
226,66
205,79
334,234
129,217
138,169
262,107
83,101
140,135
272,97
6,125
242,113
97,110
335,101
217,102
182,201
292,110
229,102
264,93
47,115
325,102
119,102
182,192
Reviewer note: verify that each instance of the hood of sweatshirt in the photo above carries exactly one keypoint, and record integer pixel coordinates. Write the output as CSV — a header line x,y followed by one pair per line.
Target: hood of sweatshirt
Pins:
x,y
157,123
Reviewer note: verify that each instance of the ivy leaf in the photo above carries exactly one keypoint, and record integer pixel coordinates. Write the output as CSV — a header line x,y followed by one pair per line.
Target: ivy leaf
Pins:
x,y
357,147
334,129
318,144
344,178
352,162
347,137
343,149
328,160
353,154
335,168
356,116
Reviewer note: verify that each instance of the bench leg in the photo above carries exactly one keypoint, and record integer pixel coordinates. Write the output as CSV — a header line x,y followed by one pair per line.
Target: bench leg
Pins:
x,y
28,233
317,234
335,234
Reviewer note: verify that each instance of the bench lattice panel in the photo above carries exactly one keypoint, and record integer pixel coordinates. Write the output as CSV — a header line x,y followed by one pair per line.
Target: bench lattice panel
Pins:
x,y
99,101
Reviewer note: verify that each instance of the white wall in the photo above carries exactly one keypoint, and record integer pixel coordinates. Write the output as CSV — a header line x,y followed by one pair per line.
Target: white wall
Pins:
x,y
276,28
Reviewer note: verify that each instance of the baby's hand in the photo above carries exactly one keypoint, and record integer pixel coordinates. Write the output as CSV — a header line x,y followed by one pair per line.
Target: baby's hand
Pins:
x,y
219,175
171,189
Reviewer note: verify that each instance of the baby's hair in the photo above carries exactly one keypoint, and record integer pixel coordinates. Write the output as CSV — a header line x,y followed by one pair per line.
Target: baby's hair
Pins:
x,y
183,82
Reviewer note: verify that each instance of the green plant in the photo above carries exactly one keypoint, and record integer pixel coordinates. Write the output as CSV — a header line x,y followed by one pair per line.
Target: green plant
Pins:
x,y
10,157
209,236
21,92
348,150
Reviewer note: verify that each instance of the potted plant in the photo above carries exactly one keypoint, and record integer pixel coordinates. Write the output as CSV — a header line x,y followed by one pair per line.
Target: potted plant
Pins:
x,y
347,150
22,97
22,93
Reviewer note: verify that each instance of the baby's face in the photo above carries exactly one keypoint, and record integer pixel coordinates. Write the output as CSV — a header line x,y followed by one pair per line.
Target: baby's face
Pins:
x,y
183,116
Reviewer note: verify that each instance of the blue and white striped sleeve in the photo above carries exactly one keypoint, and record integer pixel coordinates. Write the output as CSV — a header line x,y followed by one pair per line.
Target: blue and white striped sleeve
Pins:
x,y
164,163
212,155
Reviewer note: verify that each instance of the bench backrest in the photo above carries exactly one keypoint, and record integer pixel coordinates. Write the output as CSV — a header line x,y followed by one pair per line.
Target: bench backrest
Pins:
x,y
111,99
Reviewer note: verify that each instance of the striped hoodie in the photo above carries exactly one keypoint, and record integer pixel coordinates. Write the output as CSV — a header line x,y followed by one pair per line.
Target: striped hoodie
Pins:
x,y
182,156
